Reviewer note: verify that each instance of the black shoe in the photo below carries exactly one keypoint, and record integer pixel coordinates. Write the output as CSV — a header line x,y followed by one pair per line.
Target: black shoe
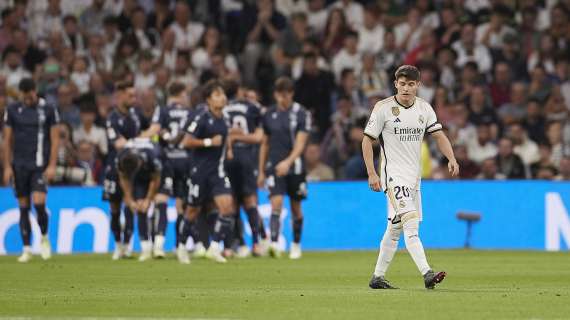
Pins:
x,y
432,278
380,283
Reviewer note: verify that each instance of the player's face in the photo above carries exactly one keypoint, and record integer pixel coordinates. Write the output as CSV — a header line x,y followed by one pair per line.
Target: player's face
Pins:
x,y
406,88
284,98
30,98
127,97
217,100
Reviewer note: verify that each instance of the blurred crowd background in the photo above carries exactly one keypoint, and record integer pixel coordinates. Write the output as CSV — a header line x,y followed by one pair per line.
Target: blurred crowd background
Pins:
x,y
496,72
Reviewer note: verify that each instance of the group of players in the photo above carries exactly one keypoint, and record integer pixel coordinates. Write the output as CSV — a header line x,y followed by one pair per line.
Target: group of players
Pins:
x,y
211,159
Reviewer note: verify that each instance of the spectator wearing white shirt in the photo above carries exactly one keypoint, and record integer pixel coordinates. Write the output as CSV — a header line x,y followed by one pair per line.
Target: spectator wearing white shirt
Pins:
x,y
88,131
288,7
144,77
71,35
97,58
489,171
168,52
482,148
147,37
492,33
408,33
187,33
91,20
210,44
112,36
42,21
12,67
348,57
373,81
523,146
80,74
469,51
353,10
317,16
371,34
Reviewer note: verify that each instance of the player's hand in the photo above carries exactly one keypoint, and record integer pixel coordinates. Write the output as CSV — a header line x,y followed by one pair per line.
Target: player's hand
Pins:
x,y
217,140
143,205
282,168
8,174
50,173
374,182
230,154
132,205
261,180
453,167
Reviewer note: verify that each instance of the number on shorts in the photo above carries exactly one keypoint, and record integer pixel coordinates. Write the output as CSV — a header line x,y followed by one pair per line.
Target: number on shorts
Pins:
x,y
401,192
110,186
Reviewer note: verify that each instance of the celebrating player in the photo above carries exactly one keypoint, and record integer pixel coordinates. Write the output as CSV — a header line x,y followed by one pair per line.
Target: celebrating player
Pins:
x,y
206,134
286,129
139,170
123,123
400,123
241,163
31,136
169,124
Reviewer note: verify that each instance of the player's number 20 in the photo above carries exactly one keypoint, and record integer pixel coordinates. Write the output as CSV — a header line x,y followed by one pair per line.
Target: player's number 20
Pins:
x,y
401,192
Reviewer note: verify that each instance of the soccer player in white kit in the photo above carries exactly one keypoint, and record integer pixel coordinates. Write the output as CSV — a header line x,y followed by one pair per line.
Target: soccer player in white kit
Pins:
x,y
400,123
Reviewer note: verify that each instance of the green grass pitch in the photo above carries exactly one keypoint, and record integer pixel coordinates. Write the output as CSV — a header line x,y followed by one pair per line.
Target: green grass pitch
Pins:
x,y
322,285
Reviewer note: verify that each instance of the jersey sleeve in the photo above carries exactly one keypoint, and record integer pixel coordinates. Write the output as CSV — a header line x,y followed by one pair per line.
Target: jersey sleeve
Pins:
x,y
159,116
54,118
8,118
432,125
304,121
265,123
195,126
375,123
256,117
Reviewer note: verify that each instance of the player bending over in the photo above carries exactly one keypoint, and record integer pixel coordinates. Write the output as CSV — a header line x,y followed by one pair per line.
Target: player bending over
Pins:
x,y
400,123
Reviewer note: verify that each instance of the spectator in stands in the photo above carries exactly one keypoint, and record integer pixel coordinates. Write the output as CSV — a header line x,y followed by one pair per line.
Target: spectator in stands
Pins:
x,y
534,122
290,43
80,75
554,138
443,108
371,33
353,10
88,131
509,164
470,51
72,36
68,111
348,57
316,169
482,148
161,17
445,60
428,80
469,169
147,37
523,146
540,86
263,26
317,16
126,56
408,33
314,90
112,36
530,35
515,110
449,29
68,169
545,160
9,24
501,85
335,31
207,47
125,16
555,108
44,21
489,171
91,20
390,57
12,67
144,76
348,86
543,55
564,173
355,169
492,33
373,81
480,109
87,158
97,59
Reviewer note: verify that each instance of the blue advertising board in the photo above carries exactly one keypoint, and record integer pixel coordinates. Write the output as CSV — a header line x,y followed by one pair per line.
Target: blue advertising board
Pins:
x,y
339,216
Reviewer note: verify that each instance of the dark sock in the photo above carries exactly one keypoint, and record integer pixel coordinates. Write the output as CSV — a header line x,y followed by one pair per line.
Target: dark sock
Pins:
x,y
274,226
143,226
201,230
42,217
178,231
116,225
223,229
185,229
253,219
25,226
152,223
297,229
161,225
211,219
129,226
261,227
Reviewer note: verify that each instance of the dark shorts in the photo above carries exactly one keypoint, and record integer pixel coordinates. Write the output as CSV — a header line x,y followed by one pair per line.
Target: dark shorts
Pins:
x,y
293,185
112,191
204,186
242,171
174,179
28,180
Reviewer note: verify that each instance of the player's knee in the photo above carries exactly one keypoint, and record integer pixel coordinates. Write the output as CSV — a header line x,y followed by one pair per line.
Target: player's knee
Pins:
x,y
192,213
250,202
39,198
276,203
161,198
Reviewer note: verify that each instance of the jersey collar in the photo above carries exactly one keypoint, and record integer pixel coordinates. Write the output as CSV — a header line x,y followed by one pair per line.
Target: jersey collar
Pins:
x,y
403,106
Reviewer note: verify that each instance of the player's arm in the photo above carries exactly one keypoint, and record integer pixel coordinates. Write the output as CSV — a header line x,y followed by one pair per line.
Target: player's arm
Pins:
x,y
8,145
117,140
191,142
155,125
153,186
54,133
251,138
372,131
263,153
126,186
301,138
445,147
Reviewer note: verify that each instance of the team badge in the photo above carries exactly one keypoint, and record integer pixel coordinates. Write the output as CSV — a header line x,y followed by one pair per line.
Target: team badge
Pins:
x,y
371,122
421,119
395,111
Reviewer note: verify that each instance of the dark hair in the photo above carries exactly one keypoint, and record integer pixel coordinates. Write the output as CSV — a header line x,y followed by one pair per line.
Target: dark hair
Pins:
x,y
231,86
129,162
6,12
109,20
88,106
27,85
211,86
345,73
284,84
176,88
69,18
408,71
9,49
123,85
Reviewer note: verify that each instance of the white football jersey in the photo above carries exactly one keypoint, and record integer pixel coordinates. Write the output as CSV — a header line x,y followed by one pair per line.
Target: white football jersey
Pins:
x,y
401,131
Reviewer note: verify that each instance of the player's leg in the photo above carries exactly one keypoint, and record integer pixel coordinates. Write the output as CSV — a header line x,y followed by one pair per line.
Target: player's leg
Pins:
x,y
22,190
113,194
180,208
39,202
224,225
186,226
159,224
297,191
275,224
255,223
140,189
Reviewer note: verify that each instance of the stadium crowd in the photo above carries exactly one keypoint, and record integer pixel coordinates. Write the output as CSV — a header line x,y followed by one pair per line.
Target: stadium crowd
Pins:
x,y
496,72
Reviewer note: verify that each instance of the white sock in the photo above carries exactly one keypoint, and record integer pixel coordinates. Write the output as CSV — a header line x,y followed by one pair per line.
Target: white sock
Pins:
x,y
388,248
414,245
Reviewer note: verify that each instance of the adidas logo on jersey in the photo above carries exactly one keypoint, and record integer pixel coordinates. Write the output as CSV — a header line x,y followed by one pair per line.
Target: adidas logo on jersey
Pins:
x,y
397,120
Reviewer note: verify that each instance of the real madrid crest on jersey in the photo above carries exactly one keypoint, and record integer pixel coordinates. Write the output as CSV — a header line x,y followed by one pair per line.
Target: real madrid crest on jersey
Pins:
x,y
421,119
395,111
